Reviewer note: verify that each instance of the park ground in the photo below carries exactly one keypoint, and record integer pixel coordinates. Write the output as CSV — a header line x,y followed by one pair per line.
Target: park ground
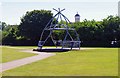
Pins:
x,y
86,62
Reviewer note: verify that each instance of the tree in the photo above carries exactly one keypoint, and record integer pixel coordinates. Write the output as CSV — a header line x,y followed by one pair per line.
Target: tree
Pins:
x,y
101,33
0,37
9,35
2,25
111,28
32,25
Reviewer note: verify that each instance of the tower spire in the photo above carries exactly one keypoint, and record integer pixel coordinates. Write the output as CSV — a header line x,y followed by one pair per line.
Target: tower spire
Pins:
x,y
77,17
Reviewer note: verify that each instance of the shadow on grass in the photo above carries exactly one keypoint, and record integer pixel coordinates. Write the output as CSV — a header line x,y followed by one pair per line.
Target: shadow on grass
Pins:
x,y
51,50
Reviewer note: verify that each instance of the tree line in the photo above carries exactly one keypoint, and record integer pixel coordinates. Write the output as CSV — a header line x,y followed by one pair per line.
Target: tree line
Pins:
x,y
91,32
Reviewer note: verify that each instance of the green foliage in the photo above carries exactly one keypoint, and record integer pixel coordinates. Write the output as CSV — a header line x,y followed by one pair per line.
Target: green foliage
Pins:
x,y
88,29
99,33
33,23
9,34
2,25
111,28
91,32
0,37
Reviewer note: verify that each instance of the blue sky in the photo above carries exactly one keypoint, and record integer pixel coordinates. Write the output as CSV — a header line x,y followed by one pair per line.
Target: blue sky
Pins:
x,y
13,10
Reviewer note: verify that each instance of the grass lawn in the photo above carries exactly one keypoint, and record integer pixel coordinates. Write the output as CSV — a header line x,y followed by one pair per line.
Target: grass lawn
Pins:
x,y
92,62
11,53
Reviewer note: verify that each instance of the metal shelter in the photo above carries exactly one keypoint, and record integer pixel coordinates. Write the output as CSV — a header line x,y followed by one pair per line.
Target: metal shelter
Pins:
x,y
60,22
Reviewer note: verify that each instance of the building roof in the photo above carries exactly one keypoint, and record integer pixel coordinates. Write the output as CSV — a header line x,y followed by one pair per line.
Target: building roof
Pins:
x,y
77,15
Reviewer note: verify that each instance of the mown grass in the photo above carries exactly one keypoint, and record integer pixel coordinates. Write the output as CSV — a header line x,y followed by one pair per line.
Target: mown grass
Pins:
x,y
11,53
93,62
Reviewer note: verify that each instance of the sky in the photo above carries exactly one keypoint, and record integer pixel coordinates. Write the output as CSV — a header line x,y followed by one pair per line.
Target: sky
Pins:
x,y
12,10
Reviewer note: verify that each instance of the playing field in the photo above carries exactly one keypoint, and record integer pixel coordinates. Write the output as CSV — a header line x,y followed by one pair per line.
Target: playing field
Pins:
x,y
87,62
14,53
